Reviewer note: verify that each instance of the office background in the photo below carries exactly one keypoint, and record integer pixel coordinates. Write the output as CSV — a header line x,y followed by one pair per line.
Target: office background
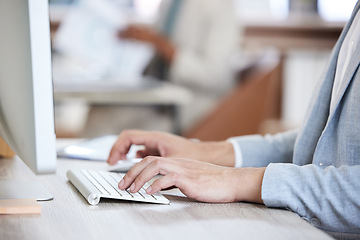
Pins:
x,y
280,57
283,47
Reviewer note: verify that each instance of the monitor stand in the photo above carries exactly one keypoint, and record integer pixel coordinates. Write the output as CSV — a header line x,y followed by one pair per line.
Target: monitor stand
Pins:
x,y
24,190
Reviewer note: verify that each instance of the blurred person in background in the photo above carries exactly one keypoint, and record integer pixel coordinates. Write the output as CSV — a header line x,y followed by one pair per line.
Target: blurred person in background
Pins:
x,y
194,41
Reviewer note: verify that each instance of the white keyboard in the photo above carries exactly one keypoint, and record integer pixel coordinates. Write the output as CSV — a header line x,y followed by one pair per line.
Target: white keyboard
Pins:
x,y
94,185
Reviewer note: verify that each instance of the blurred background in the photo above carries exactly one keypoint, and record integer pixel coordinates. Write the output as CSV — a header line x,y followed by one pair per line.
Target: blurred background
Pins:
x,y
199,68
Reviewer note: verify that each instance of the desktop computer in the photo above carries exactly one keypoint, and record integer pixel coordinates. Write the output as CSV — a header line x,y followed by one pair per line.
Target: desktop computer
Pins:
x,y
27,109
26,91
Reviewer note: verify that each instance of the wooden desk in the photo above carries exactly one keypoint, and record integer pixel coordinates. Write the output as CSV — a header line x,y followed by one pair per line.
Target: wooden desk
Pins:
x,y
294,32
69,216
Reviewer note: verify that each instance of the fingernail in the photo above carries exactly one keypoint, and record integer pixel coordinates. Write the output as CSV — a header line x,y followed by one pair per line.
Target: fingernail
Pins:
x,y
148,190
132,187
121,183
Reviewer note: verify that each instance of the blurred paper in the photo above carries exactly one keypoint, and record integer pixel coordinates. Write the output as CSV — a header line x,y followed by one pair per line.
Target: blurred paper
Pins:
x,y
87,41
96,149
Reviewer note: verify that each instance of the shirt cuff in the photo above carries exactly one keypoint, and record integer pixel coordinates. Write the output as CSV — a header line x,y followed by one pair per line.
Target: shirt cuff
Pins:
x,y
238,153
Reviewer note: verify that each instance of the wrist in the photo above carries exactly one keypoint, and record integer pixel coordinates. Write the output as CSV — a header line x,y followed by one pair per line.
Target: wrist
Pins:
x,y
248,184
219,153
165,48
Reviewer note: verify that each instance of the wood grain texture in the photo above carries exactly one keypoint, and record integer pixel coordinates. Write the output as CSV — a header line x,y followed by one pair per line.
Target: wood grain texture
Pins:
x,y
69,216
253,101
5,150
19,206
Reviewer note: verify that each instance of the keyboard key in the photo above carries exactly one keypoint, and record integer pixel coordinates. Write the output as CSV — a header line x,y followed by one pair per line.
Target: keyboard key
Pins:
x,y
145,195
107,185
110,189
113,183
95,183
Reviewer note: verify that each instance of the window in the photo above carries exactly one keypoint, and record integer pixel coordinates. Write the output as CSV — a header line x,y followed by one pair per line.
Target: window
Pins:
x,y
335,10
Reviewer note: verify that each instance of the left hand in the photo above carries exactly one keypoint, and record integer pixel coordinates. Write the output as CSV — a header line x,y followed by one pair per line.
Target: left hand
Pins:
x,y
198,180
168,145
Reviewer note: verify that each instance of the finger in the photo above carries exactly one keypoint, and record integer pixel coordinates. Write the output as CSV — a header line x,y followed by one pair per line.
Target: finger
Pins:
x,y
125,140
128,34
139,137
123,34
142,154
156,166
147,152
134,172
119,151
164,182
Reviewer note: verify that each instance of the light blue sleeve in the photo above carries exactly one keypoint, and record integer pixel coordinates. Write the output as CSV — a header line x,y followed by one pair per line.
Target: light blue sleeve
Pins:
x,y
329,198
259,151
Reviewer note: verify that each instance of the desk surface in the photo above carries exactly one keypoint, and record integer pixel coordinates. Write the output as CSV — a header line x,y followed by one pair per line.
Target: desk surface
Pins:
x,y
165,94
309,32
69,216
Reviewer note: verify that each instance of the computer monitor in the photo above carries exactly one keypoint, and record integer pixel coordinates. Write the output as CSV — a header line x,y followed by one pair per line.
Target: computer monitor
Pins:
x,y
26,91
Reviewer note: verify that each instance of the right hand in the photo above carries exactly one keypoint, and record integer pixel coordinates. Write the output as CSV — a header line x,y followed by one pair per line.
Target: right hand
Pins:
x,y
140,33
198,180
168,145
163,45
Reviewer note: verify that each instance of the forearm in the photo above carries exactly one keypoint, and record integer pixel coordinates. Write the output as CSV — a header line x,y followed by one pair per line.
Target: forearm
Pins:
x,y
326,197
259,151
219,153
165,48
162,44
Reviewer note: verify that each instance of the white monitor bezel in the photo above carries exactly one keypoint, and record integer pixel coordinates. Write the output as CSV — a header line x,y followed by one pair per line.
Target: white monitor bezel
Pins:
x,y
26,89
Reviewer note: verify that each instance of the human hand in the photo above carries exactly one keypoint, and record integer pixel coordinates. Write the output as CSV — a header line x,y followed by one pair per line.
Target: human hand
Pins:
x,y
163,46
198,180
169,145
140,33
